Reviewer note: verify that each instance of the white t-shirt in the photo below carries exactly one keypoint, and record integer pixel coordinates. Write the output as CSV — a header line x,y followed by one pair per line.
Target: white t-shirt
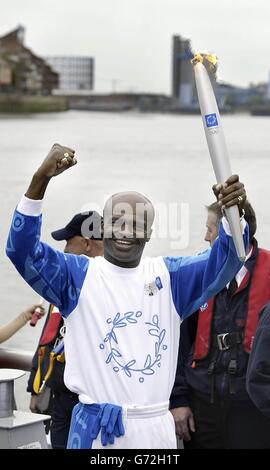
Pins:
x,y
126,339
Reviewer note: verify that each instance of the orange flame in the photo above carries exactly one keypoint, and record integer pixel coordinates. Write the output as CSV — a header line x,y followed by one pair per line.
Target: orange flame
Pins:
x,y
208,60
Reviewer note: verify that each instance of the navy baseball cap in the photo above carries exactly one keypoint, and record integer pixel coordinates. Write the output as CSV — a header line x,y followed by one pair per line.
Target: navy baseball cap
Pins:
x,y
85,224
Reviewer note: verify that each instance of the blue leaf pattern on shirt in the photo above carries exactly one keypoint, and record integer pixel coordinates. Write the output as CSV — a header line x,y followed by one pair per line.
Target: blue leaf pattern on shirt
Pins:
x,y
129,368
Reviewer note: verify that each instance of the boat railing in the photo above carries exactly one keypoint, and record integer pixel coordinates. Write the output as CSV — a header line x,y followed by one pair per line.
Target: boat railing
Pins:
x,y
16,359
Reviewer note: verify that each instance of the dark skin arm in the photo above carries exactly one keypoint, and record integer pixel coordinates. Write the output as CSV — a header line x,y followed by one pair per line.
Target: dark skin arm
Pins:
x,y
54,164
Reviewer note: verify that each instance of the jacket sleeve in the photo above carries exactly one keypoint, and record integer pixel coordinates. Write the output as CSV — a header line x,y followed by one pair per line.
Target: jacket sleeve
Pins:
x,y
56,276
188,329
258,371
195,279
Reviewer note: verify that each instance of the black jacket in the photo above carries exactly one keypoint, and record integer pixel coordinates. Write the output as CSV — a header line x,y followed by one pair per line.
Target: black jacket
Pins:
x,y
188,328
229,315
258,372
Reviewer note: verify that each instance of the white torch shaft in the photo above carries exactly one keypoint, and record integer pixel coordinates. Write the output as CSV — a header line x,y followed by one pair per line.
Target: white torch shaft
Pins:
x,y
217,148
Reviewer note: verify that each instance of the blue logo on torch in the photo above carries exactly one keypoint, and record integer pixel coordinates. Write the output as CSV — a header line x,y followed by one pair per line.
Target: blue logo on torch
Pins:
x,y
211,120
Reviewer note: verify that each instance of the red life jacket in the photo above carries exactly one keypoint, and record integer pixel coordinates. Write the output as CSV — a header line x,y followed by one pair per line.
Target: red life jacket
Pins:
x,y
259,295
51,328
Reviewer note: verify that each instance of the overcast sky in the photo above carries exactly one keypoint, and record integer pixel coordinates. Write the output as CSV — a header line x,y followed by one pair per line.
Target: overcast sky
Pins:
x,y
131,39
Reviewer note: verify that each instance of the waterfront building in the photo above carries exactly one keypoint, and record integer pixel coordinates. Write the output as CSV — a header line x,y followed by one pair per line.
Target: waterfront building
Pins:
x,y
183,81
21,71
5,74
76,73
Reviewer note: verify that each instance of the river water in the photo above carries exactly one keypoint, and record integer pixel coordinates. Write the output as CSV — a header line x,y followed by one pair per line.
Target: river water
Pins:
x,y
163,156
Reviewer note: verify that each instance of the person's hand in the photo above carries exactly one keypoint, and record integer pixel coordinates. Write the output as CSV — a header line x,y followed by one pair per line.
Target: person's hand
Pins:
x,y
33,404
31,310
59,159
184,422
231,193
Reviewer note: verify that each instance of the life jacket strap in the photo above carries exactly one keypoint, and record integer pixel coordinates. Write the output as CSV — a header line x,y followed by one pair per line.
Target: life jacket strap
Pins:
x,y
211,372
225,341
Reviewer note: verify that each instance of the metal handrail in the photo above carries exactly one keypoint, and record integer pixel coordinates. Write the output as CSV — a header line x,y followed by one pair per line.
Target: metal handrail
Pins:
x,y
16,359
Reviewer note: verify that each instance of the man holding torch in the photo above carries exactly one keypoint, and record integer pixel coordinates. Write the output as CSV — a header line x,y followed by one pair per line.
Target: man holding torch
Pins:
x,y
122,312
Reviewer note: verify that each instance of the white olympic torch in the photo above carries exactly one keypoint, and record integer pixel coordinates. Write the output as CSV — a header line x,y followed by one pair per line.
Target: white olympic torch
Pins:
x,y
216,142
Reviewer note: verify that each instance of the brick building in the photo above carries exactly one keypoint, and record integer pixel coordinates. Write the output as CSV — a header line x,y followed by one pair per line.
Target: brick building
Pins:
x,y
21,71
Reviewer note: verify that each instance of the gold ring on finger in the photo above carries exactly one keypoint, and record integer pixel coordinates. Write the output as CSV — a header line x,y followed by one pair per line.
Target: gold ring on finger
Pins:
x,y
66,156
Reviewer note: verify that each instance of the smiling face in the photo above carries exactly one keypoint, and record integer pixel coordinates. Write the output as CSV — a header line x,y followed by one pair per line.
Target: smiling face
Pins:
x,y
128,218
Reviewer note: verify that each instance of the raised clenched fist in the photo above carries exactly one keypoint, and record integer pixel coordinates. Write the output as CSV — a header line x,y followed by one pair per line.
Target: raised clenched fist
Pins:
x,y
59,159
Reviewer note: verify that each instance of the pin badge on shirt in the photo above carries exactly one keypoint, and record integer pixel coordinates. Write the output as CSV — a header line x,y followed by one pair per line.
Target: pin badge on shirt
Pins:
x,y
150,288
153,287
158,283
204,307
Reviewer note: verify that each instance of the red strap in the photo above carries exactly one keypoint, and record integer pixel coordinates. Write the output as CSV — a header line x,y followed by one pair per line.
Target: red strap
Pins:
x,y
243,283
203,330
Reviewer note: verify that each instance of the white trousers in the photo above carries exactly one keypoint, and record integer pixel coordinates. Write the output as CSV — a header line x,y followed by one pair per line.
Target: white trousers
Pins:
x,y
146,427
